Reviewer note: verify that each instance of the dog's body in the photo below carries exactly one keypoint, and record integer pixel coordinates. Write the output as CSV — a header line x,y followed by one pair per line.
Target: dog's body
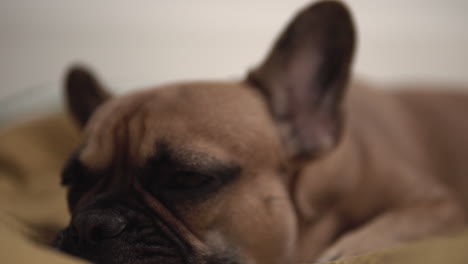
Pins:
x,y
397,170
283,167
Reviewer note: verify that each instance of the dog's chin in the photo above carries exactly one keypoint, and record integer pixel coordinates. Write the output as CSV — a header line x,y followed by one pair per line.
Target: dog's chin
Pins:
x,y
135,251
121,250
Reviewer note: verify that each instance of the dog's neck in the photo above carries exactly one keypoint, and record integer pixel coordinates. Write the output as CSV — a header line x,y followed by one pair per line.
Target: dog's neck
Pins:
x,y
332,176
321,185
324,186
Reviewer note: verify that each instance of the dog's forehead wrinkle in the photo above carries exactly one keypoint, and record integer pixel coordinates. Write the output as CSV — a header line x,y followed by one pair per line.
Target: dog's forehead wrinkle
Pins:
x,y
120,123
129,127
184,158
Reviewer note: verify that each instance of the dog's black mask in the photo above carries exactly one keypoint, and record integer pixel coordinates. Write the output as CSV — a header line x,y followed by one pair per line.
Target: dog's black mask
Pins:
x,y
117,231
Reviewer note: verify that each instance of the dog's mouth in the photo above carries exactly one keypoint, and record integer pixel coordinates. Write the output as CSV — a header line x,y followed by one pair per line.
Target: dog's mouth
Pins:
x,y
124,249
121,235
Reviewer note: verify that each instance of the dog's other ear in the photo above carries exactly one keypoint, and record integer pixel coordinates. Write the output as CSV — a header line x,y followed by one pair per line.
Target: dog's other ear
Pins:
x,y
83,93
305,75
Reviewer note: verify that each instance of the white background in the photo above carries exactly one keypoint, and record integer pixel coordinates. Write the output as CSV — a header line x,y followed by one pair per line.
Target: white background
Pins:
x,y
141,43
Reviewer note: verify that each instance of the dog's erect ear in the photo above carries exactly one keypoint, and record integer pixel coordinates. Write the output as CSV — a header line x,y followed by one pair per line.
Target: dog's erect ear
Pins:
x,y
305,75
83,93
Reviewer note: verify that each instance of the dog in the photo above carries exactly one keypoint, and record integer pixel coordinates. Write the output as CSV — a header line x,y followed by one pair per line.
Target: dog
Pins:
x,y
296,162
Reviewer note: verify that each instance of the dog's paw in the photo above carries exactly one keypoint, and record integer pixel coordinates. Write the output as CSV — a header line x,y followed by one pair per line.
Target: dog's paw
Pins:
x,y
346,247
330,255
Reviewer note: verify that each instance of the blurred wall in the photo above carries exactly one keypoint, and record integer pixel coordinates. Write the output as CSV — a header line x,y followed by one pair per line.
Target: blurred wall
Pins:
x,y
145,42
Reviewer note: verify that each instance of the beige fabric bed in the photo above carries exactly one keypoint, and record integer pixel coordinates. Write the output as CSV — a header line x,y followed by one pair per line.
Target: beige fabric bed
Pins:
x,y
32,203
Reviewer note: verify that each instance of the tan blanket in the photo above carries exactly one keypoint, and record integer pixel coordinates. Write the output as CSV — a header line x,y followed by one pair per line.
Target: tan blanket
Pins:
x,y
33,209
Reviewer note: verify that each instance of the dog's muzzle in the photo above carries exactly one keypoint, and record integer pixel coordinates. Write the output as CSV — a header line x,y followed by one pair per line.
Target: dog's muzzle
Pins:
x,y
117,234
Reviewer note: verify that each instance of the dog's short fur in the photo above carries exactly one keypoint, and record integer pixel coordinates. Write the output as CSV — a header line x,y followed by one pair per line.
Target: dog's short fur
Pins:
x,y
292,164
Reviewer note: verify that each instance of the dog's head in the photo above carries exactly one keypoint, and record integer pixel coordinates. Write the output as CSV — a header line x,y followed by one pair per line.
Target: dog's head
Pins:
x,y
203,172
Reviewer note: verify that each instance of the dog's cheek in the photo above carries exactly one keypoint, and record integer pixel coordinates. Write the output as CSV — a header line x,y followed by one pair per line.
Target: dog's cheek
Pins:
x,y
262,222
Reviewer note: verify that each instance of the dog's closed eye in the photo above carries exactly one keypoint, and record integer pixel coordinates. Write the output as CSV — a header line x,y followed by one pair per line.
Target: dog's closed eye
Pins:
x,y
186,180
188,175
72,172
185,185
77,178
190,185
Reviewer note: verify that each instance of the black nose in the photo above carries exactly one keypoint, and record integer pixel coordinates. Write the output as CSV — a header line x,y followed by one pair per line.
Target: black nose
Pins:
x,y
97,225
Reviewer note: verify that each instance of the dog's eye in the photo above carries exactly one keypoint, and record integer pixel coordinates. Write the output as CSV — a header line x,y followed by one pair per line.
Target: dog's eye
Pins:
x,y
78,180
186,180
186,185
172,180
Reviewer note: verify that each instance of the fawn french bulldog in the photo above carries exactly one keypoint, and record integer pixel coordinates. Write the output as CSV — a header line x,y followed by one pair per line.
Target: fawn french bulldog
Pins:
x,y
294,163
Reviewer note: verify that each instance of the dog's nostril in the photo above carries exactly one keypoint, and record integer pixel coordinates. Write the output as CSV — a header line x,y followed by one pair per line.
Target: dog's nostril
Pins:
x,y
95,226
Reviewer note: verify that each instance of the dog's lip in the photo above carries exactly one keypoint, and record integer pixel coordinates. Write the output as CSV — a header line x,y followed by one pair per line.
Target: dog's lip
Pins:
x,y
185,245
190,246
185,250
163,253
160,252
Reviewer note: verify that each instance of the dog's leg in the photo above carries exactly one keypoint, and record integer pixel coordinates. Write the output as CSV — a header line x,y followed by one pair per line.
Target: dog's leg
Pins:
x,y
398,225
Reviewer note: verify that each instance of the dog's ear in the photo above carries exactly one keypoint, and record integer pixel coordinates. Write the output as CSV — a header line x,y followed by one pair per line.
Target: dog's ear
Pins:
x,y
305,75
83,93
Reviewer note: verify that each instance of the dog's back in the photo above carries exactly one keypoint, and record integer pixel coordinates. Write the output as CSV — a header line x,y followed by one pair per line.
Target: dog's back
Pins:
x,y
440,120
428,123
